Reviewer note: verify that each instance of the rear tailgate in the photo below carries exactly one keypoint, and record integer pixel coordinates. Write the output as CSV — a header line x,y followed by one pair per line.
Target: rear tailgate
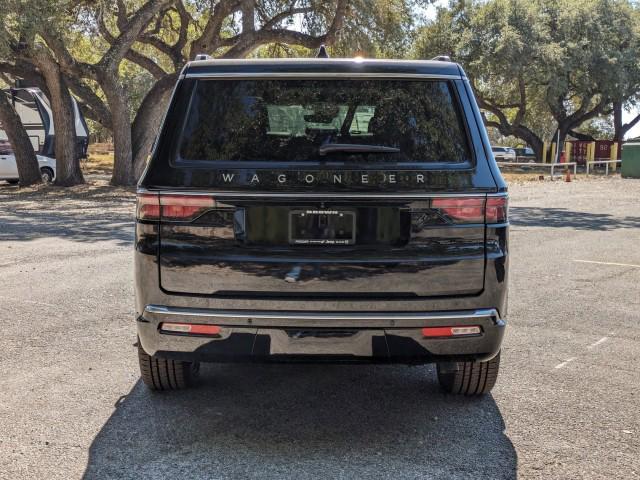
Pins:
x,y
358,187
408,247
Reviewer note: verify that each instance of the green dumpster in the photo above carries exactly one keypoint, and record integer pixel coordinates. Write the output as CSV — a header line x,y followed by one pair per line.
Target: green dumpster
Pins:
x,y
631,160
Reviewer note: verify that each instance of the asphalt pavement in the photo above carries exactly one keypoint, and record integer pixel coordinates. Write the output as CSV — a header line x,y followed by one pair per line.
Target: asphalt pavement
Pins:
x,y
566,405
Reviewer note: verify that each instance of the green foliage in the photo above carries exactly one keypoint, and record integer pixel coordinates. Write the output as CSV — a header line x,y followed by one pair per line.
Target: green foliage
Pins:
x,y
534,63
377,29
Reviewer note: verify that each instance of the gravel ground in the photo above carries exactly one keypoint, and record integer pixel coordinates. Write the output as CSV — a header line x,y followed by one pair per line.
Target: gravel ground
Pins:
x,y
565,406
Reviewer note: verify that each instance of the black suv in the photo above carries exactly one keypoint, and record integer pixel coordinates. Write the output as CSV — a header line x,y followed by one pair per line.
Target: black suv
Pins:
x,y
322,210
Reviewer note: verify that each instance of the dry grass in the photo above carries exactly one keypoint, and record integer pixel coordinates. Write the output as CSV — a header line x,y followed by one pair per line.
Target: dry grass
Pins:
x,y
97,173
98,163
101,148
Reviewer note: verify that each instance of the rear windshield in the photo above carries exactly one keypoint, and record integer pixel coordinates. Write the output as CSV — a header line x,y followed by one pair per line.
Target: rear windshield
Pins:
x,y
340,121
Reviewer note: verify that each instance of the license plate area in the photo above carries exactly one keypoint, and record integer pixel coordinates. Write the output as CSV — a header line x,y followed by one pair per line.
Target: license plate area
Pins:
x,y
322,227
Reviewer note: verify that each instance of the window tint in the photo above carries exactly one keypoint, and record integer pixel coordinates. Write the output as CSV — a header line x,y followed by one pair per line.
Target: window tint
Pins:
x,y
5,148
289,120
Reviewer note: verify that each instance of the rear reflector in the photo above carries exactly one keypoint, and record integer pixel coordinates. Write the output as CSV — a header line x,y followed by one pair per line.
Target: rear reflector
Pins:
x,y
182,208
459,331
191,328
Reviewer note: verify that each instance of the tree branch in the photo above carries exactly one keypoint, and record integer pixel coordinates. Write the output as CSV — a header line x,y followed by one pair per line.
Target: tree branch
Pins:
x,y
139,59
207,42
129,32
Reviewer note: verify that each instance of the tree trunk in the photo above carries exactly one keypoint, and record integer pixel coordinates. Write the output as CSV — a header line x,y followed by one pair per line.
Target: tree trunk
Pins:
x,y
532,139
563,129
147,121
119,106
519,131
583,137
26,160
68,170
618,128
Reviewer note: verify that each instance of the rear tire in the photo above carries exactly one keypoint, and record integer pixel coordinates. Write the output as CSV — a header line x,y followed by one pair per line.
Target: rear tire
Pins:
x,y
47,174
165,374
13,182
469,378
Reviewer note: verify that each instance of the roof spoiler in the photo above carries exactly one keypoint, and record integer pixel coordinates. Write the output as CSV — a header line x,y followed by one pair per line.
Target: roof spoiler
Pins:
x,y
442,58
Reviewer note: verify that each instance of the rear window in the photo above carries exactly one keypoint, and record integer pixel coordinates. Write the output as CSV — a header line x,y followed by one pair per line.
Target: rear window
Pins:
x,y
341,121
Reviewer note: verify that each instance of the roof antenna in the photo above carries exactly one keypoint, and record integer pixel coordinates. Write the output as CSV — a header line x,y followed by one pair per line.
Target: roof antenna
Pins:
x,y
322,52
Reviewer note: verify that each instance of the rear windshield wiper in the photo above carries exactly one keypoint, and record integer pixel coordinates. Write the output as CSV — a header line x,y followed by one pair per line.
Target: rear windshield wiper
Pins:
x,y
355,148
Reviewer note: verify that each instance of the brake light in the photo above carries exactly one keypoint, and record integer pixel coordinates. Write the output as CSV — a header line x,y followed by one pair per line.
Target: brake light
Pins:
x,y
473,209
147,206
461,210
184,207
152,206
455,331
497,210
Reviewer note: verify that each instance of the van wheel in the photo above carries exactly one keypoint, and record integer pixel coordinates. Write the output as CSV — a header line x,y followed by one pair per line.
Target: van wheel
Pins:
x,y
47,174
165,374
469,378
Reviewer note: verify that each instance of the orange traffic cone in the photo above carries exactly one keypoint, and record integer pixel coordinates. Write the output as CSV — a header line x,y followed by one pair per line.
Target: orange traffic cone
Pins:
x,y
567,175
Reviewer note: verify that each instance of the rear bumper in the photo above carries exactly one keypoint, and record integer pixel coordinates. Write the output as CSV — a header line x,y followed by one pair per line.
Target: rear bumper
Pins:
x,y
266,336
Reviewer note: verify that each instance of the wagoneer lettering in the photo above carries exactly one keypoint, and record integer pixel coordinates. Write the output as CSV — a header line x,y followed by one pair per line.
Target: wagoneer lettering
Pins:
x,y
322,210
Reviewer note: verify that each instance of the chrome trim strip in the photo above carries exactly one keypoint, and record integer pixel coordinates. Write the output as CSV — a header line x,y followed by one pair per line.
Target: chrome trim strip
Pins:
x,y
323,75
316,319
310,195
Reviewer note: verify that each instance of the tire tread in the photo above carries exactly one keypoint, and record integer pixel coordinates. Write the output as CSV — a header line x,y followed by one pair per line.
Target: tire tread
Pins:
x,y
162,374
470,378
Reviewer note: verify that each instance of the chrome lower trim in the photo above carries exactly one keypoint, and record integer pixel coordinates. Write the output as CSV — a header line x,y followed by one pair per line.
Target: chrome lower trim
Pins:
x,y
315,319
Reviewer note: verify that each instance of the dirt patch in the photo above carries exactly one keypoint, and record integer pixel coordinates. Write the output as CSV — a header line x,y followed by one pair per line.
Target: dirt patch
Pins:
x,y
100,163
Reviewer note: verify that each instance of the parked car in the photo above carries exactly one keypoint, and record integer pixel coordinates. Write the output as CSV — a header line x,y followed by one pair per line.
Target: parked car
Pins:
x,y
525,154
504,154
9,167
322,210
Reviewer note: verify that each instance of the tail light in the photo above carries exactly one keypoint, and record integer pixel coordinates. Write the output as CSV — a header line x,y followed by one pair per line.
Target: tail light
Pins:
x,y
182,208
461,210
497,210
472,209
147,206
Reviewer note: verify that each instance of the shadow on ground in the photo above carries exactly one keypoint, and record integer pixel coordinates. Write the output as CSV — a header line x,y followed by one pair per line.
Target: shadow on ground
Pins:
x,y
89,214
561,217
304,421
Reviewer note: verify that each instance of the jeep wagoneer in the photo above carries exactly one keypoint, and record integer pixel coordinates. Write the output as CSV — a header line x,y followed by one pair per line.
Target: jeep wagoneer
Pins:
x,y
322,210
